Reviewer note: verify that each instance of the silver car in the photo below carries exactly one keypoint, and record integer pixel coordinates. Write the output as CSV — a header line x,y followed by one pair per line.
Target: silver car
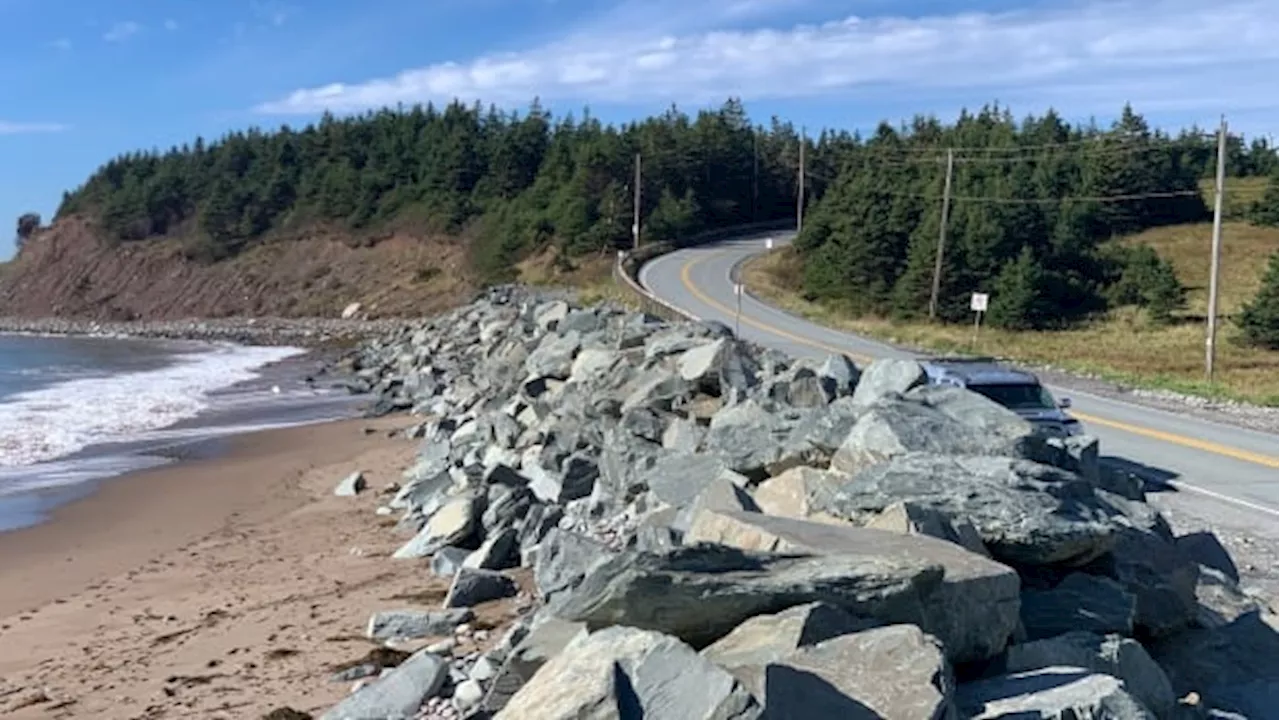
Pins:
x,y
1018,390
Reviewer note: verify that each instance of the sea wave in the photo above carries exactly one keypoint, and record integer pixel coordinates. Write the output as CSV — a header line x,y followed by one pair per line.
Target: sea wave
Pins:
x,y
54,421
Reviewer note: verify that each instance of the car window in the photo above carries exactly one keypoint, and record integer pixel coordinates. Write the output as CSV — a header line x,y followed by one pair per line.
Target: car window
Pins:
x,y
1025,396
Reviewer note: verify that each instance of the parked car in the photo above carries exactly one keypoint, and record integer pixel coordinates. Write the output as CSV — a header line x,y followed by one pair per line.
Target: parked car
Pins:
x,y
1018,390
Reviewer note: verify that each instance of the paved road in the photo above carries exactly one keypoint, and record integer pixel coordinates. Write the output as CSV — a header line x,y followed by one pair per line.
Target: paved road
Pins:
x,y
1235,467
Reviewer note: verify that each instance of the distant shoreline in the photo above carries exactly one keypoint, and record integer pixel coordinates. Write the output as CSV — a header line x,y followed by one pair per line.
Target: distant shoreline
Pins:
x,y
300,332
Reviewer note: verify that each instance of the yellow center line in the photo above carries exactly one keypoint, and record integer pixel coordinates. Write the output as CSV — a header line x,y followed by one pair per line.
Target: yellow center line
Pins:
x,y
1211,447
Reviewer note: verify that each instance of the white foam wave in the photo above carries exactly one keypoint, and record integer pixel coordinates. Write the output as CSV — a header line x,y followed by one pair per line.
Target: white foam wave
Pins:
x,y
51,422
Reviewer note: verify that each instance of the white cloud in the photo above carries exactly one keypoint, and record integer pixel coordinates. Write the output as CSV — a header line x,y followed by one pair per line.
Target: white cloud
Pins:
x,y
23,128
122,31
1114,48
170,25
63,44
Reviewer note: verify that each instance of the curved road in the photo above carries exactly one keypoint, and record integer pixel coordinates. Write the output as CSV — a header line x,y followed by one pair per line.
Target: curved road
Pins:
x,y
1231,468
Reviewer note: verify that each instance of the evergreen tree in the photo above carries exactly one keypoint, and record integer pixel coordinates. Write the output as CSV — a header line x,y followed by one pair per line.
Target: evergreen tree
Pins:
x,y
1265,209
1259,320
1017,300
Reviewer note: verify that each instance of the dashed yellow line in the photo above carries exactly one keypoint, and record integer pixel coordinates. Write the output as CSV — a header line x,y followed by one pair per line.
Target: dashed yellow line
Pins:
x,y
1211,447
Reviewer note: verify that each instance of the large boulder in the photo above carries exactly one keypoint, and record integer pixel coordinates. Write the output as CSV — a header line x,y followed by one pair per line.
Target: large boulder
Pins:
x,y
912,519
1233,667
398,694
973,610
453,524
416,623
1163,580
1054,693
1079,602
764,638
1026,513
700,592
536,643
939,420
758,443
887,376
623,672
1114,655
888,672
562,560
801,493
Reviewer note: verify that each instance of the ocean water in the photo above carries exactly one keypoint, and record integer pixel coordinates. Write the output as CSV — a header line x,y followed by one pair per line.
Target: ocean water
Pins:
x,y
77,411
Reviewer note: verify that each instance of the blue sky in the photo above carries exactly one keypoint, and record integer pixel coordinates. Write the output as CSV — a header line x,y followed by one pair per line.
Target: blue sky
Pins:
x,y
87,79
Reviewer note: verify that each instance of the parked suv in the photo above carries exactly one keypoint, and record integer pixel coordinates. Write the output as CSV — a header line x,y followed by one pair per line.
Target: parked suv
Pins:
x,y
1018,390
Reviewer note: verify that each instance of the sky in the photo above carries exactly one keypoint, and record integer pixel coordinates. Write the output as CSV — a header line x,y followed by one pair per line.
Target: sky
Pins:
x,y
85,80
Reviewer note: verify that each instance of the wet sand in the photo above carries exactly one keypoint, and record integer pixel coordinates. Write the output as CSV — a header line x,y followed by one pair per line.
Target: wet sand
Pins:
x,y
214,588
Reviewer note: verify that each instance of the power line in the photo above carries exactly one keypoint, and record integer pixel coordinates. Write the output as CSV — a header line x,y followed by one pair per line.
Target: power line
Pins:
x,y
1043,201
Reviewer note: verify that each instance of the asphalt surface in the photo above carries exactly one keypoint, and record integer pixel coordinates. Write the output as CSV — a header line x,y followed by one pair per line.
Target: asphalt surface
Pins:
x,y
1231,469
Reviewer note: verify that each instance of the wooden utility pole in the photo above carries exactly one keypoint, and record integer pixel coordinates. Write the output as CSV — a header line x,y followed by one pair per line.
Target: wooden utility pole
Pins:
x,y
1211,334
635,209
800,187
942,238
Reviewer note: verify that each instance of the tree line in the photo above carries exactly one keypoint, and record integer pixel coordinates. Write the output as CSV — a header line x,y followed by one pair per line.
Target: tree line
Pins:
x,y
1032,208
1025,223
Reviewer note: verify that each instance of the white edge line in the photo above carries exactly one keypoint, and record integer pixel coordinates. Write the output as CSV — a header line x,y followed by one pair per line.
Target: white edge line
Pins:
x,y
1184,486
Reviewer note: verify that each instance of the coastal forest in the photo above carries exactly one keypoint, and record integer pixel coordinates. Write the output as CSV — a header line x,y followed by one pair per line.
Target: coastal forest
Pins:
x,y
1032,203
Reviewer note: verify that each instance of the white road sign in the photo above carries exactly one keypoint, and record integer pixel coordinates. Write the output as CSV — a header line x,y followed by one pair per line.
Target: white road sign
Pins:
x,y
978,302
768,243
737,288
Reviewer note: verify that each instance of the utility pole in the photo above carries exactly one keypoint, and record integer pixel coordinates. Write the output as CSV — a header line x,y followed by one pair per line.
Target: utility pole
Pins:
x,y
942,238
1220,178
800,187
635,209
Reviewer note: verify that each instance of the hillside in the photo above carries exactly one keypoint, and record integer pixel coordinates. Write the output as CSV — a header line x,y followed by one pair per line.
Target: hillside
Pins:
x,y
409,210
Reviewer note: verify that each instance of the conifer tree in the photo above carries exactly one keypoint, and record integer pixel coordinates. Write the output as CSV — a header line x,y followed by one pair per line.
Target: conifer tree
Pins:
x,y
1259,319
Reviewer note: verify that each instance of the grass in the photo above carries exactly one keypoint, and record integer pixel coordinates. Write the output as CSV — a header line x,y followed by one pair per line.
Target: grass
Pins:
x,y
591,275
1240,194
1122,347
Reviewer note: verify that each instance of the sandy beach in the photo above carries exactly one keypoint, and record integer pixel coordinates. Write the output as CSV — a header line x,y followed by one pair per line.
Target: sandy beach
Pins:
x,y
216,588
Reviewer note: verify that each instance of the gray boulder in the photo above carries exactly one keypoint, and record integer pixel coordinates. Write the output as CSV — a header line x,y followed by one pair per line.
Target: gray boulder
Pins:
x,y
765,638
416,623
1233,667
912,519
446,561
563,559
801,492
973,610
1161,578
937,420
700,592
499,551
1206,549
453,524
887,377
1080,602
553,358
758,443
1025,512
1054,693
839,375
677,479
397,695
545,638
719,493
624,672
1113,655
887,672
472,586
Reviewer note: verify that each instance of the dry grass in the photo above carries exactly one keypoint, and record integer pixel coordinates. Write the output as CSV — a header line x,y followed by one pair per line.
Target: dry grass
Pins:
x,y
1240,194
1122,347
591,275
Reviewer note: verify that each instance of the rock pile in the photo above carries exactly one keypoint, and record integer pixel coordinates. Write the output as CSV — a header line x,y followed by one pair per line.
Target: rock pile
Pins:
x,y
717,530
